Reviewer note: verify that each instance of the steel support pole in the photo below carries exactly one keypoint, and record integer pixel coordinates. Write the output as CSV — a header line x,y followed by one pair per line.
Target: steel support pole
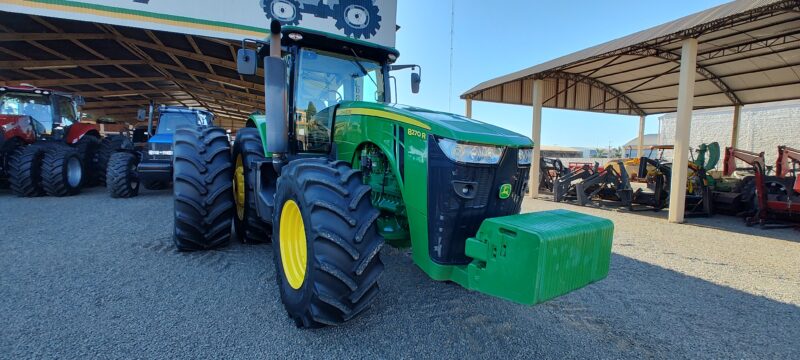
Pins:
x,y
640,144
468,112
536,136
737,114
683,125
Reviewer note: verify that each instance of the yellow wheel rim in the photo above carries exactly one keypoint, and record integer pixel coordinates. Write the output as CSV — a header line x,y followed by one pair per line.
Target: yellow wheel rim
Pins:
x,y
293,244
239,187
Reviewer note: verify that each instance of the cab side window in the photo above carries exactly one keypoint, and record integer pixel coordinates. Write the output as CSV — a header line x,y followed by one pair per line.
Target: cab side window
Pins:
x,y
66,111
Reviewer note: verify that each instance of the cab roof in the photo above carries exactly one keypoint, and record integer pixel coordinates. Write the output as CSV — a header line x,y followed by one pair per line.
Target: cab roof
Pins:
x,y
335,43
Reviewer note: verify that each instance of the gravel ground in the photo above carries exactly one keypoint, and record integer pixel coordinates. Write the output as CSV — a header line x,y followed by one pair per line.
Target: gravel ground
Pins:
x,y
89,276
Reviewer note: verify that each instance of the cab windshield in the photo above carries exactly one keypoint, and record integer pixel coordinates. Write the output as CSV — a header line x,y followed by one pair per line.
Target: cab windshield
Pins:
x,y
37,106
168,122
323,80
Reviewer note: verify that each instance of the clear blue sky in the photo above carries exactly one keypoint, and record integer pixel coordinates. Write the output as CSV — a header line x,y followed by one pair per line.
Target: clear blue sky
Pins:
x,y
494,38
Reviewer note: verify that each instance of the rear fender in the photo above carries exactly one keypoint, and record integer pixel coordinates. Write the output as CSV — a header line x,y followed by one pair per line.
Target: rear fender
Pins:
x,y
260,123
79,130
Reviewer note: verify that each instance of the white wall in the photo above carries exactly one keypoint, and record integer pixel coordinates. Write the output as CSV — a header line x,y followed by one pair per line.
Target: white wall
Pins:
x,y
762,127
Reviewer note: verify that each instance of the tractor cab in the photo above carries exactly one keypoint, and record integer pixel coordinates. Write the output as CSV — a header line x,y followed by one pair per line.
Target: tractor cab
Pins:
x,y
51,114
326,71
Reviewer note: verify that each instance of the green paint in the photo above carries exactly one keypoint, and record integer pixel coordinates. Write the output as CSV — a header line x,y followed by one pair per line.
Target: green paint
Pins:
x,y
78,4
260,122
531,258
505,191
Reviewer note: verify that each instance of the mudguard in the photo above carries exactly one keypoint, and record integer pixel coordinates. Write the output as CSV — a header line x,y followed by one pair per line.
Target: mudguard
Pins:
x,y
78,130
17,126
534,257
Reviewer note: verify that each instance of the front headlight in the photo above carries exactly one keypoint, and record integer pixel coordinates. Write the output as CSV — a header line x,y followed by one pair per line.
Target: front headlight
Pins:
x,y
160,152
471,153
525,156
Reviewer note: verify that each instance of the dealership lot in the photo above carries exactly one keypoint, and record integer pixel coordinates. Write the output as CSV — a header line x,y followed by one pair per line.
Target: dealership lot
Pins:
x,y
86,275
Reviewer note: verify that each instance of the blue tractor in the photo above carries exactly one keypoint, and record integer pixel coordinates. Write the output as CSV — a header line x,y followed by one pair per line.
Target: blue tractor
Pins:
x,y
151,162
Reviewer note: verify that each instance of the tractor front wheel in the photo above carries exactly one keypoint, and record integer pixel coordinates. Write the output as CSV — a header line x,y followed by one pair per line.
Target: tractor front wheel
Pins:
x,y
326,242
62,171
25,171
247,150
202,188
122,177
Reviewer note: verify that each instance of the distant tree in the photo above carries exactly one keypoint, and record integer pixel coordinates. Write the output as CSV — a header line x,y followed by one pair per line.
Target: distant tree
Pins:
x,y
600,152
617,152
311,111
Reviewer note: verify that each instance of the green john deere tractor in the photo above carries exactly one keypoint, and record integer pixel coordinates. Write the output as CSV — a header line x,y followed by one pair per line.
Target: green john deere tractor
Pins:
x,y
334,167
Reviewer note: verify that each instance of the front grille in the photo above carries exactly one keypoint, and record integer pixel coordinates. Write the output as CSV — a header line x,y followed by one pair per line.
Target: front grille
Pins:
x,y
452,218
159,147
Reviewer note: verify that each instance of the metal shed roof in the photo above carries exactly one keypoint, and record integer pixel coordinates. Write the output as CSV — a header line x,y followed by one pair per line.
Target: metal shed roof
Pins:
x,y
748,52
119,69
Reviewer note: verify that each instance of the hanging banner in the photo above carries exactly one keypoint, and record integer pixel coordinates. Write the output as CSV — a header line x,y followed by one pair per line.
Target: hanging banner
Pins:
x,y
368,20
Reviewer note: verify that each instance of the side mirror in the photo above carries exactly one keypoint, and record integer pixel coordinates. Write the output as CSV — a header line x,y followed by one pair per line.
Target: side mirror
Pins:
x,y
246,61
141,114
416,79
79,100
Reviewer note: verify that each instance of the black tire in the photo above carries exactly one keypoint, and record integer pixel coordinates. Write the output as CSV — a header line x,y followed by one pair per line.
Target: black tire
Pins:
x,y
343,245
287,12
202,188
88,147
25,171
122,178
249,227
349,18
155,185
62,171
108,146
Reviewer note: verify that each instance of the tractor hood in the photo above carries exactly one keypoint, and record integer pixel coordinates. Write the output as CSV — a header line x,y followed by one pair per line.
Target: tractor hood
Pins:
x,y
440,123
165,138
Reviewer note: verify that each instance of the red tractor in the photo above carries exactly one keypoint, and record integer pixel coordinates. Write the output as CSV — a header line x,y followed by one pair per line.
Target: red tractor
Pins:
x,y
44,149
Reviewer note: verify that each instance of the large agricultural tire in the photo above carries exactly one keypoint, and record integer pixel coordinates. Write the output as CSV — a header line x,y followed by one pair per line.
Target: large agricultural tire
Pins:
x,y
62,171
247,150
88,147
25,171
326,242
108,146
122,177
202,180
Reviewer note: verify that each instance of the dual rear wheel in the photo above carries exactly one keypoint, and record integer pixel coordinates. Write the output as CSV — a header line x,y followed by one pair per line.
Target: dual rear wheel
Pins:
x,y
324,235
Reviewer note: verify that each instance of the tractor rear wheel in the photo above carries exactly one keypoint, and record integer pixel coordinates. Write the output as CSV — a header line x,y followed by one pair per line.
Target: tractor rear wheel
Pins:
x,y
122,178
108,146
202,188
247,150
326,242
62,171
88,147
25,171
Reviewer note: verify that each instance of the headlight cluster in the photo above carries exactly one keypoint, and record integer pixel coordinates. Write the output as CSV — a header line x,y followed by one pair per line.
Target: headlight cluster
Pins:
x,y
470,153
159,152
525,156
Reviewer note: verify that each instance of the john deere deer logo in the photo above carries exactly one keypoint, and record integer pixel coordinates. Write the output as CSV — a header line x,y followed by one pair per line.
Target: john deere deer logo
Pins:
x,y
505,191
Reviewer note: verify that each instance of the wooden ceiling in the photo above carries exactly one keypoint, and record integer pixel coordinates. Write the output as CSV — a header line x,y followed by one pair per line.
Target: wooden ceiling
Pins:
x,y
118,69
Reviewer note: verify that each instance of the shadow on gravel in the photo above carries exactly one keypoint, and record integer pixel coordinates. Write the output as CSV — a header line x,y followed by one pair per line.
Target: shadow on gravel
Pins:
x,y
717,222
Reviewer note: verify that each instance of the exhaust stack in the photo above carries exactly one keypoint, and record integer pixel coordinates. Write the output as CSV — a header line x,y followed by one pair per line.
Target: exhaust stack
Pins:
x,y
276,103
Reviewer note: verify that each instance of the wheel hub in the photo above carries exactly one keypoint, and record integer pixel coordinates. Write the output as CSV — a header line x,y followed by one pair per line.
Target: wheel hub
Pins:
x,y
356,16
293,244
74,172
283,10
239,187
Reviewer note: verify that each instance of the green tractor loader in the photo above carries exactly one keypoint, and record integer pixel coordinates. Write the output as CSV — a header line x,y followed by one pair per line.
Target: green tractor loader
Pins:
x,y
334,168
